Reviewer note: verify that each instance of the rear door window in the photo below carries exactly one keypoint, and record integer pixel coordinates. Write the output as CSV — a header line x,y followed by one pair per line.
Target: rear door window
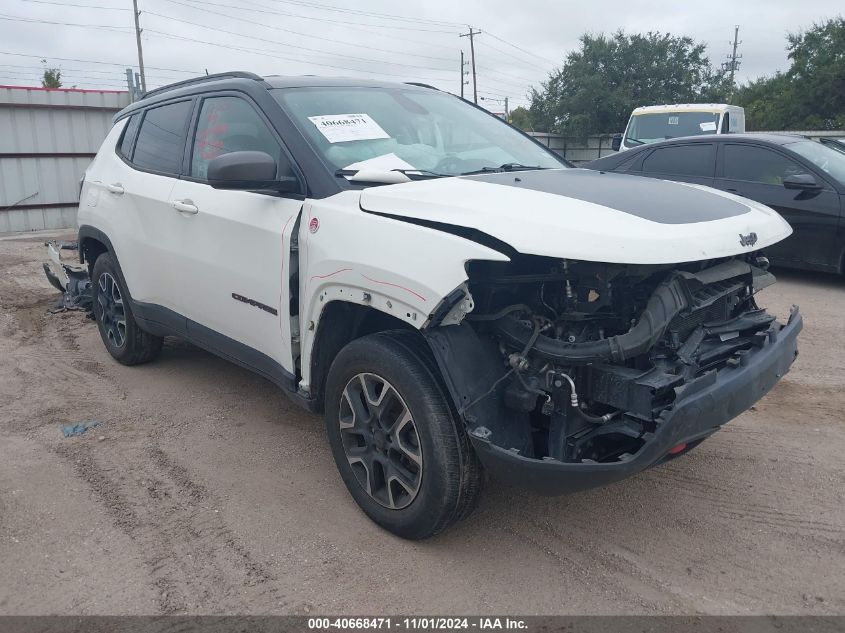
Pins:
x,y
161,140
696,160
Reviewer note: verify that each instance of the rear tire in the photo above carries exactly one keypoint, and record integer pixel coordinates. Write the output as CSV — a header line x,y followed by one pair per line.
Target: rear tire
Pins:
x,y
124,339
397,441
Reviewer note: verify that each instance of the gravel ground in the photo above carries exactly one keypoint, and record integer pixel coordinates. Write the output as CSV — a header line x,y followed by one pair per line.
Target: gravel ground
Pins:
x,y
206,491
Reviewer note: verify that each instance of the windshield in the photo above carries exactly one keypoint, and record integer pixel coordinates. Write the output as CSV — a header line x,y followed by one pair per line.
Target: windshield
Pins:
x,y
828,160
650,128
357,128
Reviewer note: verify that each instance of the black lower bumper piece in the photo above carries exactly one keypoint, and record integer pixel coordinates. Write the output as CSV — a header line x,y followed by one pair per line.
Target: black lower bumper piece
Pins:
x,y
702,406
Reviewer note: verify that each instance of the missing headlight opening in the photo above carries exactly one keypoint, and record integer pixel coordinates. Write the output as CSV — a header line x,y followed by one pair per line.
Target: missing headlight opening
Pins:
x,y
578,361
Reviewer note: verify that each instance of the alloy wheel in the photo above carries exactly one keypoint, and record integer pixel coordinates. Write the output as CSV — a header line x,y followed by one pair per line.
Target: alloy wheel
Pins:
x,y
381,441
112,312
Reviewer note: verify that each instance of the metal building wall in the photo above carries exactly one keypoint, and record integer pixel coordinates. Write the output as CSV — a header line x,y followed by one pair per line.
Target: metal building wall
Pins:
x,y
47,139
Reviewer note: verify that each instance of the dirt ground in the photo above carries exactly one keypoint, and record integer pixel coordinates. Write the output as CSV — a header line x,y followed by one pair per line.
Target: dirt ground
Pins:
x,y
206,491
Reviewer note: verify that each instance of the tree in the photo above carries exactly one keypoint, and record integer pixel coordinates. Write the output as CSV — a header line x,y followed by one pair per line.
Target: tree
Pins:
x,y
52,77
599,84
521,118
810,95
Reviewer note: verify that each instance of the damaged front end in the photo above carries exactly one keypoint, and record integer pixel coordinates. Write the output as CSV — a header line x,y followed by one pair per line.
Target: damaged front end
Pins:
x,y
573,374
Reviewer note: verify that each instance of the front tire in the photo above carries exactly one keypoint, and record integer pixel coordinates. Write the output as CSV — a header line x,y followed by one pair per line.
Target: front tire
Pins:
x,y
400,447
124,339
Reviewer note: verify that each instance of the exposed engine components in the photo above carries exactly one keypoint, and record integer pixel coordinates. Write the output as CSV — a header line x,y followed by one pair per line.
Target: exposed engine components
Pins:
x,y
591,354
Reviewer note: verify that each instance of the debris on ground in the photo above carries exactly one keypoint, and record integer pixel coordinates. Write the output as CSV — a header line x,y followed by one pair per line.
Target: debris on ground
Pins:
x,y
71,430
69,277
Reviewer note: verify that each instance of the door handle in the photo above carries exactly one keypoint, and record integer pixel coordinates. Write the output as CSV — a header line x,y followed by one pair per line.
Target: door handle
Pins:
x,y
115,188
736,193
185,206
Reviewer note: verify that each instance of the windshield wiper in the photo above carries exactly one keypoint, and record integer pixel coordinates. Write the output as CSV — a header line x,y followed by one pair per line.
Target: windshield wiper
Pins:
x,y
410,173
502,168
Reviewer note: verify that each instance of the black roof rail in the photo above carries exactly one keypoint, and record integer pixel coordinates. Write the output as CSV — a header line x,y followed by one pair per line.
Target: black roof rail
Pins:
x,y
420,85
235,74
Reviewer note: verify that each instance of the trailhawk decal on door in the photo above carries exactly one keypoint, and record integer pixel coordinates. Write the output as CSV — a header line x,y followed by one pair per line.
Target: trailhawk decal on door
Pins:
x,y
254,303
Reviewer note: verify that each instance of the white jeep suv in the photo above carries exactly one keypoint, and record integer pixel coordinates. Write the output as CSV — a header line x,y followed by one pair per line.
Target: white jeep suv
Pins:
x,y
451,295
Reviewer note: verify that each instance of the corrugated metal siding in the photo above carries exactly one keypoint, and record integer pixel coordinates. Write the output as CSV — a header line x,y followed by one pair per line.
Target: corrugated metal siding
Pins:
x,y
47,140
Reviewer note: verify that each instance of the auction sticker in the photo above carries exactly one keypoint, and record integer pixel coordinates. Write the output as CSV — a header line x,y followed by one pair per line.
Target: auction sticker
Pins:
x,y
338,128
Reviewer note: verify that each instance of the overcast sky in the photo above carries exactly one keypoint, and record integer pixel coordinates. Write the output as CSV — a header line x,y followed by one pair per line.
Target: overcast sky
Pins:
x,y
412,40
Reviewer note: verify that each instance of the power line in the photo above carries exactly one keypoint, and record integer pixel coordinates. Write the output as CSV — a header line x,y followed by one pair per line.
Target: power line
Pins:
x,y
36,79
276,55
384,16
109,27
514,59
94,61
519,48
276,28
277,43
352,25
64,70
254,51
81,6
345,22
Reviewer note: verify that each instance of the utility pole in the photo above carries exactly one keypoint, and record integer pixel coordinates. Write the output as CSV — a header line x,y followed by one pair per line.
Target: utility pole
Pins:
x,y
140,51
472,57
507,112
732,65
462,73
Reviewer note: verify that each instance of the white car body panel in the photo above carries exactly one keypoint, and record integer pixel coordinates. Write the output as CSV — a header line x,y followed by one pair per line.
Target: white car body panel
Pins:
x,y
539,223
404,269
141,224
233,245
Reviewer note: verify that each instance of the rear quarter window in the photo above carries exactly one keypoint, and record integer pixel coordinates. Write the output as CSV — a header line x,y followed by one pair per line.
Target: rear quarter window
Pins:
x,y
127,139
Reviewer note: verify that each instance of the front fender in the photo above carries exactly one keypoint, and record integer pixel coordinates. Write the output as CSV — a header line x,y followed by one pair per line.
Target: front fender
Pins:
x,y
402,269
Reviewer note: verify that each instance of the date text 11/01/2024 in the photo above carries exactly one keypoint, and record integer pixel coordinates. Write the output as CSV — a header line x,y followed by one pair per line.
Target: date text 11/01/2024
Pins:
x,y
417,623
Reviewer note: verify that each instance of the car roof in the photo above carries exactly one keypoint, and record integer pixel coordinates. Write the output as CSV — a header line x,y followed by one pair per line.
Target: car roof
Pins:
x,y
685,106
240,79
612,161
307,81
775,139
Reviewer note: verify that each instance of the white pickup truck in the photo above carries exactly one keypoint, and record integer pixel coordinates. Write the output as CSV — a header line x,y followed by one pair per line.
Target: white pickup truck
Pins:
x,y
453,297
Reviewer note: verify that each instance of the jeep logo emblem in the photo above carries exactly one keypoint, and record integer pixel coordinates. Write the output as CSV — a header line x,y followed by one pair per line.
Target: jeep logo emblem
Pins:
x,y
748,240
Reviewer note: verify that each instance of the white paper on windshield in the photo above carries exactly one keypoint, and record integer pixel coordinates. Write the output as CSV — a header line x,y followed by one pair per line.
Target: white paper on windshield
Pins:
x,y
338,128
708,126
385,161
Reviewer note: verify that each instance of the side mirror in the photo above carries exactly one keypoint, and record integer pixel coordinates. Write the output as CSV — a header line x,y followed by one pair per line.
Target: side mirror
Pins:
x,y
248,171
800,181
616,142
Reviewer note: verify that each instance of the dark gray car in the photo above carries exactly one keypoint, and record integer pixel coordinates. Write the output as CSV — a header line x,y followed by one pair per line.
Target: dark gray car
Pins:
x,y
801,179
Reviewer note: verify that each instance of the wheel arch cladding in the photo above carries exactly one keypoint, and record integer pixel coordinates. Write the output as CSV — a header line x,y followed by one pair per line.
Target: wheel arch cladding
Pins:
x,y
340,323
93,243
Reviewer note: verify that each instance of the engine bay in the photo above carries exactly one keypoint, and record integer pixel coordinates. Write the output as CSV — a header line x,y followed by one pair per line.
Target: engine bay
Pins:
x,y
581,359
